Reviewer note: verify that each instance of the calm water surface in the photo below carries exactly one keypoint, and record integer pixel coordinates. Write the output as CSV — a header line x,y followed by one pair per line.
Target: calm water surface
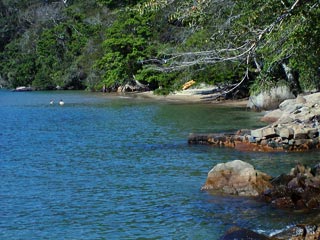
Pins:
x,y
104,167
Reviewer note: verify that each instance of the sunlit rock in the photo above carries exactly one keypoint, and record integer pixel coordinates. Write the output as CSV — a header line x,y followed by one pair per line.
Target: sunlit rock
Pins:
x,y
270,99
237,178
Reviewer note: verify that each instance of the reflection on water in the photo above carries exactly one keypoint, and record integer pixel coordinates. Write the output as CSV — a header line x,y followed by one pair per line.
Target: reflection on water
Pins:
x,y
117,168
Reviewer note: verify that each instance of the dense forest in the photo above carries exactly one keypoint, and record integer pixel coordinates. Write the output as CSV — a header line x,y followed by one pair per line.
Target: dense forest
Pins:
x,y
159,44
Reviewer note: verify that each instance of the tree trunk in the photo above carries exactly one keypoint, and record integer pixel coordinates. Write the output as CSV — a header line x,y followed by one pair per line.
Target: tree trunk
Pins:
x,y
292,79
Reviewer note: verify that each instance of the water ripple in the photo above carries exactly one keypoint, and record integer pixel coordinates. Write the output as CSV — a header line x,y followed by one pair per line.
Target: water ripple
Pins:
x,y
111,168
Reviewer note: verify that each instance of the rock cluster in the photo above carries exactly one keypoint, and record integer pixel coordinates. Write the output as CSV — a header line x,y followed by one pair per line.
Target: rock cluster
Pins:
x,y
296,128
300,189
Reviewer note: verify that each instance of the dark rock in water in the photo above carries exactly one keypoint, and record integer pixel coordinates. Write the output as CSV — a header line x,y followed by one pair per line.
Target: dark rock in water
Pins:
x,y
300,189
282,179
245,234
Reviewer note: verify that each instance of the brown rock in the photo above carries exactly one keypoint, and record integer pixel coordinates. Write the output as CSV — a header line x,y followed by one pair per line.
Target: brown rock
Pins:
x,y
237,178
313,203
299,190
284,202
294,183
313,182
299,169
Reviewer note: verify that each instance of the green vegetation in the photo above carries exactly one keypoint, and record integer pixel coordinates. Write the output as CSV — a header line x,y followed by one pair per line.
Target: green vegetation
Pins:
x,y
78,44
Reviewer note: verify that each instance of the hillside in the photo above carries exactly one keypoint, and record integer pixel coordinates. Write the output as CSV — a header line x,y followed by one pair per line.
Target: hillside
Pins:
x,y
160,45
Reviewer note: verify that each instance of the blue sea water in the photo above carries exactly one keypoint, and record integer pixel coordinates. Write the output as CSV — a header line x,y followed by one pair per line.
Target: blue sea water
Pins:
x,y
118,167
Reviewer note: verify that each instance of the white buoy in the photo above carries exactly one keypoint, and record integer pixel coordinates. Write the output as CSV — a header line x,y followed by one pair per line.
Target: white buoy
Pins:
x,y
61,102
51,102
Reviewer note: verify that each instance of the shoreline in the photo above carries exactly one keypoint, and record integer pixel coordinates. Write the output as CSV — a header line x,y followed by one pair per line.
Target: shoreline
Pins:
x,y
190,97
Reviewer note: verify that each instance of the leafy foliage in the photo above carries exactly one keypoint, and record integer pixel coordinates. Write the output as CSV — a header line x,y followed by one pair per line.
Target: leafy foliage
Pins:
x,y
20,66
126,42
57,48
49,58
164,43
291,30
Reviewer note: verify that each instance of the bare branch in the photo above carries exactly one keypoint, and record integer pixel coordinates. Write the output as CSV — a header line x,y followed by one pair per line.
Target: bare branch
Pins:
x,y
179,61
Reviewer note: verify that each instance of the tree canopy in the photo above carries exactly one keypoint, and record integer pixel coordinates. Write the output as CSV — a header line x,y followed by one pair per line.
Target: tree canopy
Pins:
x,y
87,44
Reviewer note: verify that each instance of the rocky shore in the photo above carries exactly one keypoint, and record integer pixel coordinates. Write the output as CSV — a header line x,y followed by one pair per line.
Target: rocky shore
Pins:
x,y
295,127
297,190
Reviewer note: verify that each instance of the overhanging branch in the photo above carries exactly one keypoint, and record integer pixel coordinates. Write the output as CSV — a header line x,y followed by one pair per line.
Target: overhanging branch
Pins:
x,y
180,61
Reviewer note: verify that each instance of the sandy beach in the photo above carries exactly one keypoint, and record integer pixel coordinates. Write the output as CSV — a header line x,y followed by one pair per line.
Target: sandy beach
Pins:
x,y
189,96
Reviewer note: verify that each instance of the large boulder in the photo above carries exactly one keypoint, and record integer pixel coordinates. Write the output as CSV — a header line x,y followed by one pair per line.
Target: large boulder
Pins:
x,y
271,99
237,178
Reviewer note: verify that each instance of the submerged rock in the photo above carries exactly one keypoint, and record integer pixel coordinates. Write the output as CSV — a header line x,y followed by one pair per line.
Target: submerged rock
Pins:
x,y
241,233
237,178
